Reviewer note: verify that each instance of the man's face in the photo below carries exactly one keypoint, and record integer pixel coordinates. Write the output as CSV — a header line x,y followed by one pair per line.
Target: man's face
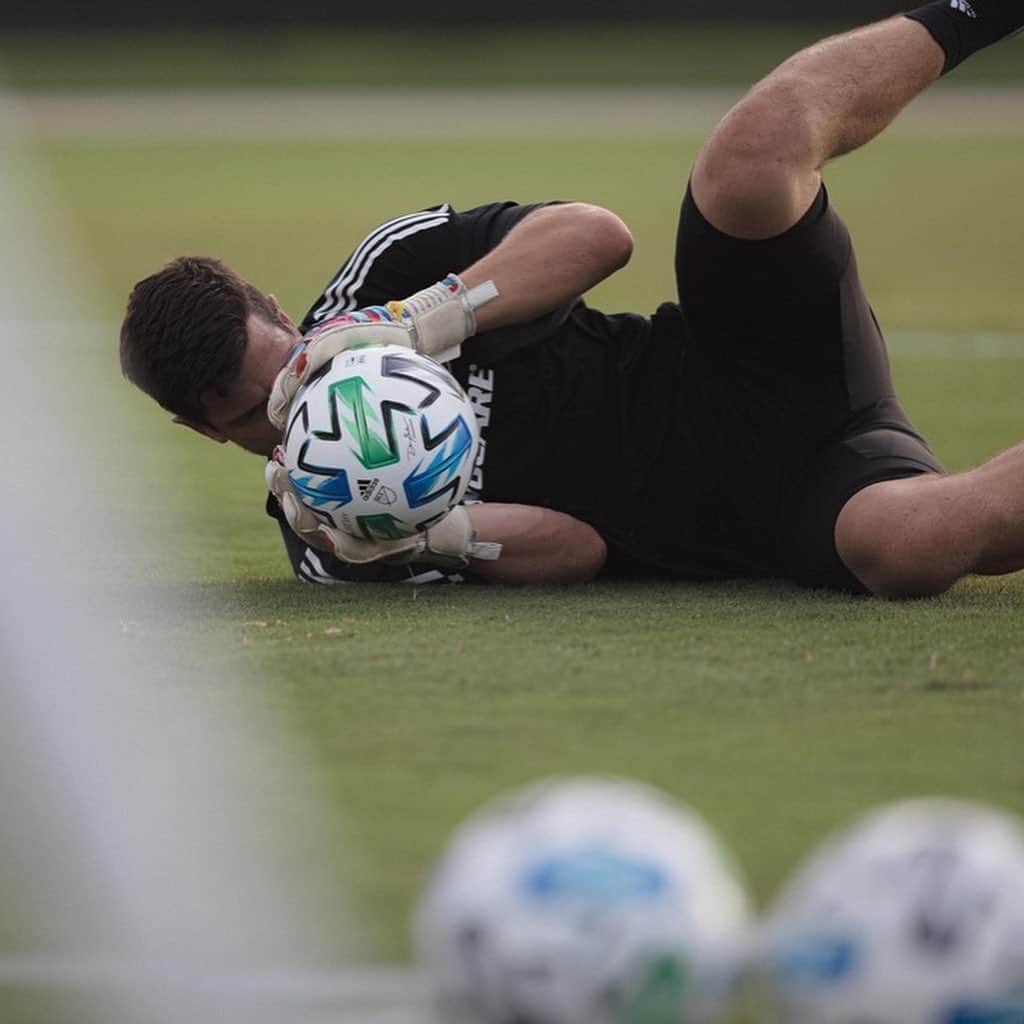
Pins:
x,y
239,414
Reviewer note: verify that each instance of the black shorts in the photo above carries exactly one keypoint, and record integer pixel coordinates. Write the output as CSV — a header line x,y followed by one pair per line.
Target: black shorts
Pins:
x,y
791,380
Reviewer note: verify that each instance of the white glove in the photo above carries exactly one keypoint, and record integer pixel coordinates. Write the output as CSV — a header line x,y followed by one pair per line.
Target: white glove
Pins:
x,y
371,326
434,321
447,544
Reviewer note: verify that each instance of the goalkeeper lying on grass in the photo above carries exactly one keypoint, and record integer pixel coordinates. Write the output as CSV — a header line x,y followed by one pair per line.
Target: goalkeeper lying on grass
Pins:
x,y
759,409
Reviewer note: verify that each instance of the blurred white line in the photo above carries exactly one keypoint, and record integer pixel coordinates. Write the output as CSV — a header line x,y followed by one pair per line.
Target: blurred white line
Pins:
x,y
379,994
234,115
375,984
932,345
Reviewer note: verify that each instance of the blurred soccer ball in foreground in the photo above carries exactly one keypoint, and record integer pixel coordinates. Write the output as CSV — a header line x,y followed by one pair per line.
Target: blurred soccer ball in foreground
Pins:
x,y
914,916
584,901
381,443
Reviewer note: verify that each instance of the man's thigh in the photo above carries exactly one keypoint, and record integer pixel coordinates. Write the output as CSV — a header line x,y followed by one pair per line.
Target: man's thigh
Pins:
x,y
810,549
786,316
796,381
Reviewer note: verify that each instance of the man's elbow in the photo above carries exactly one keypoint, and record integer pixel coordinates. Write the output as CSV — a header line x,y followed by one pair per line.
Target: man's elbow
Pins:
x,y
581,557
605,235
616,239
592,557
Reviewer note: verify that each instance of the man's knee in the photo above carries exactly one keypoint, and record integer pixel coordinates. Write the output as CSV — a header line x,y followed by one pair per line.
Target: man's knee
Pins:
x,y
754,177
765,127
887,536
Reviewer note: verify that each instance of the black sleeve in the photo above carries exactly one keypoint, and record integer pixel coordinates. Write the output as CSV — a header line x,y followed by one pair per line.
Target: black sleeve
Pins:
x,y
311,566
479,230
412,252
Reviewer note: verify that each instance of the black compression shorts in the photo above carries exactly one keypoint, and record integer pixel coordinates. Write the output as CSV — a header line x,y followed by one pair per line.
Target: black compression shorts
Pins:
x,y
792,384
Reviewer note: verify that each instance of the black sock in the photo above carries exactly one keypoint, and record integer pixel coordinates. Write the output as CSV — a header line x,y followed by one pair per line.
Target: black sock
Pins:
x,y
962,27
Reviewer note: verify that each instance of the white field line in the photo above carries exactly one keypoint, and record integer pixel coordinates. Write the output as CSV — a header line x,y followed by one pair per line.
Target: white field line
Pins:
x,y
381,994
934,345
227,115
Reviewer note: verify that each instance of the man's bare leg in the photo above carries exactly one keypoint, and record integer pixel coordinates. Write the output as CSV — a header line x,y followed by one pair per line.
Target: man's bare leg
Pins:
x,y
755,178
916,537
760,170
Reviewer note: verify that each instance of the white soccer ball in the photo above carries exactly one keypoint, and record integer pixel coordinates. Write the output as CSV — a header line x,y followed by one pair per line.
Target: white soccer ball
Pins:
x,y
583,901
914,916
381,443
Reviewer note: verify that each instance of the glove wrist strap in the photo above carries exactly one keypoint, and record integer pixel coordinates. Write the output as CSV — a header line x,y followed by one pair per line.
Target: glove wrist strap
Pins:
x,y
442,316
485,550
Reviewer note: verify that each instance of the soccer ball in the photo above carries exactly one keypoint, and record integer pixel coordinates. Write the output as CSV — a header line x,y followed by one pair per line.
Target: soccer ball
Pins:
x,y
381,442
583,901
914,916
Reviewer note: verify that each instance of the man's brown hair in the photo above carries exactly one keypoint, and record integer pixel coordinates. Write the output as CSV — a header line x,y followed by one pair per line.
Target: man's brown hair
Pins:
x,y
184,333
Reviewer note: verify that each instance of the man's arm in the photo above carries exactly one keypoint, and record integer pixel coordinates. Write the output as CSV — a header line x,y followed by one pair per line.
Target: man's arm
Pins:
x,y
500,542
538,545
523,287
545,262
550,258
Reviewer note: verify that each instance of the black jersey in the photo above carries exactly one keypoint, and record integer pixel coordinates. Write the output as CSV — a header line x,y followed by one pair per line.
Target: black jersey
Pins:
x,y
580,411
400,257
700,442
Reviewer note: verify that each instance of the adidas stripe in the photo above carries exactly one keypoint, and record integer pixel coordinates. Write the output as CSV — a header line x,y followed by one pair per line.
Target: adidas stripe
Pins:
x,y
339,296
312,570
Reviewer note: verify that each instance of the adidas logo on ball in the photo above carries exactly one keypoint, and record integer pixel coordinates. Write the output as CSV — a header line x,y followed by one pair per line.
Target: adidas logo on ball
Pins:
x,y
382,443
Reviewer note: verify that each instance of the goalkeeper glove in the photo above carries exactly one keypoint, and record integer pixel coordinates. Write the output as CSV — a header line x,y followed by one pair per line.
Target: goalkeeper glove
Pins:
x,y
447,544
434,322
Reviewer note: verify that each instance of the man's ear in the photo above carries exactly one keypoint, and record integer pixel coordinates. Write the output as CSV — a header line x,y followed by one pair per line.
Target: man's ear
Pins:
x,y
200,428
282,316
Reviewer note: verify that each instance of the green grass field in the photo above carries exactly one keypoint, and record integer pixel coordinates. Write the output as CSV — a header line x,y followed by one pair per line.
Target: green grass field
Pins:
x,y
777,713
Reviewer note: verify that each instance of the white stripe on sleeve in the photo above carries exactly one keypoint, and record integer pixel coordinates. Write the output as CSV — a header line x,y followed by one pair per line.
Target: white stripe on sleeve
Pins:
x,y
339,295
312,570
